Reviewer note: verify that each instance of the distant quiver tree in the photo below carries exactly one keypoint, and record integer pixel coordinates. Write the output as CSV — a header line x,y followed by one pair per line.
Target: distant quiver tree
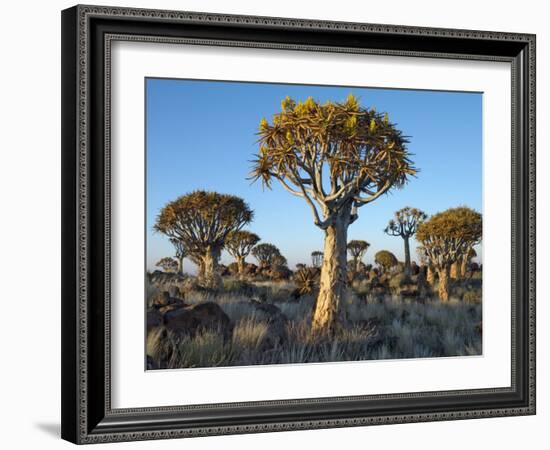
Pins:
x,y
239,244
404,225
202,220
446,237
357,250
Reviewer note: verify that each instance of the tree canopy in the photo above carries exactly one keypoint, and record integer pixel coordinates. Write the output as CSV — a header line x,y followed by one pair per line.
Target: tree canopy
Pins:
x,y
202,219
332,155
385,259
405,222
357,248
167,264
448,235
265,253
240,243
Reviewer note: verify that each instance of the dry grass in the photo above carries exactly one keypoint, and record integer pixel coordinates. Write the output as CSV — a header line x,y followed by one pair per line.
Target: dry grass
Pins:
x,y
390,329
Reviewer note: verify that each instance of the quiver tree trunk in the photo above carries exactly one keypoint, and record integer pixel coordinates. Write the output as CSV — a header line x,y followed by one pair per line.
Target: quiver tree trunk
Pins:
x,y
443,286
463,267
209,276
332,283
180,266
455,271
430,275
407,256
240,267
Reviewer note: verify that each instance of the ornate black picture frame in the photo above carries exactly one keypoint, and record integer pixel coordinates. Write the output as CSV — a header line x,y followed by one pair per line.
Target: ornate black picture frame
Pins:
x,y
87,33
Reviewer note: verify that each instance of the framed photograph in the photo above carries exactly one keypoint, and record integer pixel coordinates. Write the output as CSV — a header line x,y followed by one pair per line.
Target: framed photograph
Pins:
x,y
282,224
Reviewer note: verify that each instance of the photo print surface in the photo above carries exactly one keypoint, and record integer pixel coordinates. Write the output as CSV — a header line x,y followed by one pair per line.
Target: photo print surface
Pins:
x,y
310,224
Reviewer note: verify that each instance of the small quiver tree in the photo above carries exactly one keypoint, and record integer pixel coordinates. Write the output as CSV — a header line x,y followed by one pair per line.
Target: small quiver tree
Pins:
x,y
404,225
317,259
264,254
386,260
446,236
337,157
181,252
202,221
239,244
169,265
357,249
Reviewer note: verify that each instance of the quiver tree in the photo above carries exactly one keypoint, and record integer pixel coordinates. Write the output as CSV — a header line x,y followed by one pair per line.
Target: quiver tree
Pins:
x,y
181,252
385,260
264,254
447,236
317,259
423,258
202,220
404,225
357,250
466,260
337,157
460,266
239,244
167,264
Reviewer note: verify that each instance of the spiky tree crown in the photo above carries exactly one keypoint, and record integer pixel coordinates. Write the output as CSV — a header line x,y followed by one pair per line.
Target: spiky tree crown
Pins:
x,y
357,248
265,253
240,243
385,259
361,153
448,235
279,260
202,219
168,264
406,222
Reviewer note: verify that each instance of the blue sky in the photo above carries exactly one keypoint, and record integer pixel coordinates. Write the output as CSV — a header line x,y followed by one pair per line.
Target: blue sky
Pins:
x,y
202,135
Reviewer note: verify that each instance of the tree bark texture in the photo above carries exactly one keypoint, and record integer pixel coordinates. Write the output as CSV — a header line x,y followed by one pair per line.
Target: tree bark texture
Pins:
x,y
332,285
210,277
443,287
407,256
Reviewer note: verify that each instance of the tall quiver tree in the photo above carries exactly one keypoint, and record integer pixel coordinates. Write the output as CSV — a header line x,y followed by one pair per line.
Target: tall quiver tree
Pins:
x,y
181,252
202,220
404,225
239,244
446,236
357,250
337,157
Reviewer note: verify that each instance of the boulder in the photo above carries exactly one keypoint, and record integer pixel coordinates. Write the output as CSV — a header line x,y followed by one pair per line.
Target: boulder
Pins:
x,y
276,321
164,299
164,280
193,320
154,318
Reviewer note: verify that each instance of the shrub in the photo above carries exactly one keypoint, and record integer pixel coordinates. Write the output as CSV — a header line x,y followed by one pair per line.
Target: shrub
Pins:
x,y
472,296
306,280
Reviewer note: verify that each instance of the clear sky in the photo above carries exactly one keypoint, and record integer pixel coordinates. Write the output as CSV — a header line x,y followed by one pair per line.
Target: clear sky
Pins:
x,y
202,135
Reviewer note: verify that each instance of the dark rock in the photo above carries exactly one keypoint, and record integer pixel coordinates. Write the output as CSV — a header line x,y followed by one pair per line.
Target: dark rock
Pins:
x,y
154,319
193,320
276,321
